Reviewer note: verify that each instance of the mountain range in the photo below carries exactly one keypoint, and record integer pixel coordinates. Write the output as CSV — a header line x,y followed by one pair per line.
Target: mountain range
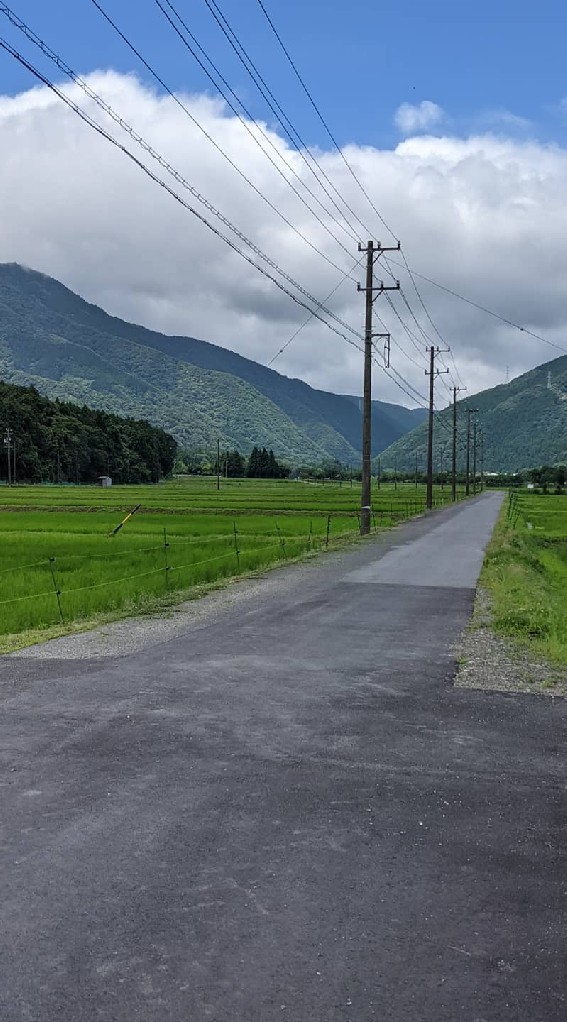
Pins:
x,y
197,391
523,424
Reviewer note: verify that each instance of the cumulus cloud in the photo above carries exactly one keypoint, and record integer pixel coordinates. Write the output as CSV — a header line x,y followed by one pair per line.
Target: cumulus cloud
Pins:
x,y
485,216
410,118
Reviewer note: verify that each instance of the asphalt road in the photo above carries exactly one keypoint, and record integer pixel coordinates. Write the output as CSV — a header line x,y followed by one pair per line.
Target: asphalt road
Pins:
x,y
288,813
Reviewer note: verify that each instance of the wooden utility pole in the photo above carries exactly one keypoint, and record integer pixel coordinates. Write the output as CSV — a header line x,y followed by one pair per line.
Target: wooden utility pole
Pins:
x,y
218,464
8,446
454,453
432,373
474,456
470,411
373,251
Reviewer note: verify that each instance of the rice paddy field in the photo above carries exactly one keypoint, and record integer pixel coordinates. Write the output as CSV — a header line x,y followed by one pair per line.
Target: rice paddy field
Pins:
x,y
63,566
526,573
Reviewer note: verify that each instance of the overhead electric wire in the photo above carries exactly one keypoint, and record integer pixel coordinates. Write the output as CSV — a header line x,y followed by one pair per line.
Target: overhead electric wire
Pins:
x,y
324,123
267,94
483,308
257,125
209,137
159,159
351,170
163,184
344,277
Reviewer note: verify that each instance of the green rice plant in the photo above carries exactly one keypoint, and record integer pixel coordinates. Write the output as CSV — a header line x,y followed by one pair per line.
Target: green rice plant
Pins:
x,y
61,563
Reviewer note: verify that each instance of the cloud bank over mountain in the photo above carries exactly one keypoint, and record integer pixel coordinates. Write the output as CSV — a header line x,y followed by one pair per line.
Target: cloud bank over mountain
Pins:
x,y
484,215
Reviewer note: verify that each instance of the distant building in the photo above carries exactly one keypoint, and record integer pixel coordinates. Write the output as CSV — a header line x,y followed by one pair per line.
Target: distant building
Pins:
x,y
105,481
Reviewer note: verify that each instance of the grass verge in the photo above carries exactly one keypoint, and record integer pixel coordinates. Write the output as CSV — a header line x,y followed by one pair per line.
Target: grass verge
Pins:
x,y
525,573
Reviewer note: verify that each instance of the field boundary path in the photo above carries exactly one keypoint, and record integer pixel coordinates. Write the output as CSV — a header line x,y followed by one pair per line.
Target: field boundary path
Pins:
x,y
287,811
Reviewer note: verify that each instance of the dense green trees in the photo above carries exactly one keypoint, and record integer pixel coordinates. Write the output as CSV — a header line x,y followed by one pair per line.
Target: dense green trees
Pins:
x,y
263,465
57,441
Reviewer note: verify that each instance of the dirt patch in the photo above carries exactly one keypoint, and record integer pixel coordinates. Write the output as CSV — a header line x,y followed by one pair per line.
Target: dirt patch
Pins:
x,y
491,661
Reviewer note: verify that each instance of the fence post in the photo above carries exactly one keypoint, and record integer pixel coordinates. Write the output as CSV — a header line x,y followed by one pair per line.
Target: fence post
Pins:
x,y
236,550
328,530
282,540
56,587
165,548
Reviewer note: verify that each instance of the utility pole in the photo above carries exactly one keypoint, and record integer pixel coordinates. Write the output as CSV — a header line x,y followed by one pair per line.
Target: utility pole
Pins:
x,y
454,458
442,459
218,464
416,470
474,457
8,446
395,471
470,411
481,461
432,373
379,473
14,460
373,252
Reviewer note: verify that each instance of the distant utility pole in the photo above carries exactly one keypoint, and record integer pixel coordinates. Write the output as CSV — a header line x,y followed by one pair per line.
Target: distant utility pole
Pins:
x,y
442,460
454,458
474,456
470,411
481,461
373,252
218,464
416,470
8,446
432,373
395,471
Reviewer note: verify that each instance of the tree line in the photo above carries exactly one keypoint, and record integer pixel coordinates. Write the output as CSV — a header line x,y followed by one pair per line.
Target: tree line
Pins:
x,y
61,442
260,464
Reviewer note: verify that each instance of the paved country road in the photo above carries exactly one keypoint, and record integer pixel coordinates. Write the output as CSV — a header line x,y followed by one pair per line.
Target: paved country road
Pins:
x,y
288,813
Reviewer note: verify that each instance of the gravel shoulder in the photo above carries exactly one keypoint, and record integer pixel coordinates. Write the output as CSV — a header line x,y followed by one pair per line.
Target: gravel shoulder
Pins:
x,y
496,663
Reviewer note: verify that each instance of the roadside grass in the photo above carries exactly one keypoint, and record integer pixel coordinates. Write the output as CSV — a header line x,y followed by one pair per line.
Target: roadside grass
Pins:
x,y
525,571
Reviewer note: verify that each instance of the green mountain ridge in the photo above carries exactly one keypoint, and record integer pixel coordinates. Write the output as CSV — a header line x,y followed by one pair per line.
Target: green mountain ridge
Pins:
x,y
524,424
67,348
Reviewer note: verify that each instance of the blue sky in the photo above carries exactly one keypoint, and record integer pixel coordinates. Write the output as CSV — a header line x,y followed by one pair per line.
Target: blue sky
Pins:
x,y
362,59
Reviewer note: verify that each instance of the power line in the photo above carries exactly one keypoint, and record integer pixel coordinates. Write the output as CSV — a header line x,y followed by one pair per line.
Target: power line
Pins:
x,y
483,308
208,136
163,184
159,159
323,121
267,94
351,170
344,277
256,124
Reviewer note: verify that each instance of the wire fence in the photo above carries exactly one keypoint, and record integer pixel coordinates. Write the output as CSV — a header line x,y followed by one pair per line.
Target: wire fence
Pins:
x,y
51,578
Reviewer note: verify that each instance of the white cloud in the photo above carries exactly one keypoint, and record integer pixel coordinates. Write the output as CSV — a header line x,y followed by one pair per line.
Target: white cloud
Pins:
x,y
504,119
410,118
485,216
